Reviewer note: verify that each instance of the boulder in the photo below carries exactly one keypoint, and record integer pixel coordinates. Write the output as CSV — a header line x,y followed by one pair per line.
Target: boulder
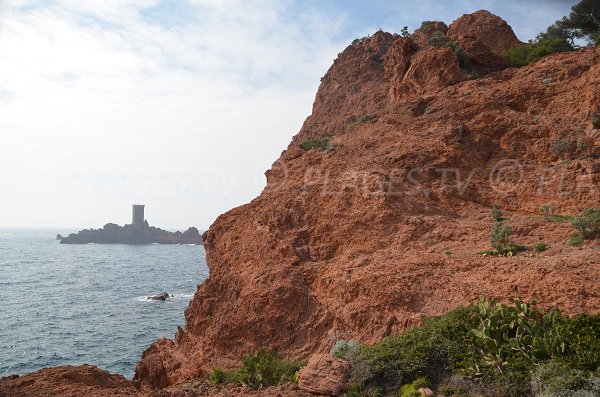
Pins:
x,y
160,297
324,375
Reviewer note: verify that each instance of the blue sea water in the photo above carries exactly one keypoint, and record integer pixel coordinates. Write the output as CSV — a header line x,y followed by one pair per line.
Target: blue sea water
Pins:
x,y
75,304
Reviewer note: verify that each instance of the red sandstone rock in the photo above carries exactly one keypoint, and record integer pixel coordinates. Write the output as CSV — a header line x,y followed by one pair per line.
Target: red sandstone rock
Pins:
x,y
422,35
485,38
324,375
67,381
364,240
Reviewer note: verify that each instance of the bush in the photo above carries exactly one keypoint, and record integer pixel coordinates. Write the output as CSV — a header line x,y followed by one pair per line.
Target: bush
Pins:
x,y
557,379
540,247
596,122
428,351
526,54
588,225
424,24
312,143
576,240
266,369
560,147
259,370
496,213
344,348
438,39
412,389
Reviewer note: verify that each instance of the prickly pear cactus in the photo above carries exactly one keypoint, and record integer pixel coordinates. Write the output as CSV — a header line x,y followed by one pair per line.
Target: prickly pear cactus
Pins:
x,y
507,335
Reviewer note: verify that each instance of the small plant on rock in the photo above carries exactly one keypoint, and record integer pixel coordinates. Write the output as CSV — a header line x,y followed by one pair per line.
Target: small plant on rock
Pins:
x,y
588,224
312,143
499,237
560,147
412,389
540,247
596,122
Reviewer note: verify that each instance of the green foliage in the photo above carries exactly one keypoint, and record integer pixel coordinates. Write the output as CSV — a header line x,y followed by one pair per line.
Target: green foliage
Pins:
x,y
509,337
362,120
496,213
582,338
259,370
588,224
404,32
531,52
219,376
463,59
499,237
266,369
424,24
540,247
312,143
344,348
560,147
596,122
438,39
576,240
430,351
558,379
583,22
412,389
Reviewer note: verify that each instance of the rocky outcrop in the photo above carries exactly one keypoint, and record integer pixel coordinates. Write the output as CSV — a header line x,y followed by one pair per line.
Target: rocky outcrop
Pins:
x,y
85,380
134,235
385,226
324,375
485,38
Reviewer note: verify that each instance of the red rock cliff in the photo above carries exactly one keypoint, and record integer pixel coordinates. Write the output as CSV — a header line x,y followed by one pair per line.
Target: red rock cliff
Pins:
x,y
364,239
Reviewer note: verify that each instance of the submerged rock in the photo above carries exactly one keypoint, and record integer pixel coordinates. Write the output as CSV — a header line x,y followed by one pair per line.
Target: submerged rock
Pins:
x,y
160,297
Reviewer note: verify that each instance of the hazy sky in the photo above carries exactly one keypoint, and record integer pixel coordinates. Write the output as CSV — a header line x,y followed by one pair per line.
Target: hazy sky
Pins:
x,y
179,105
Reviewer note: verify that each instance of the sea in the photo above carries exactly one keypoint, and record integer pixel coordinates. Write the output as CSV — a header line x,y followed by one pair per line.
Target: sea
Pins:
x,y
73,304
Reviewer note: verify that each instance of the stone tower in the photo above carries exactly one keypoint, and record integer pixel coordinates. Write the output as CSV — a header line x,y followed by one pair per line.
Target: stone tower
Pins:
x,y
138,215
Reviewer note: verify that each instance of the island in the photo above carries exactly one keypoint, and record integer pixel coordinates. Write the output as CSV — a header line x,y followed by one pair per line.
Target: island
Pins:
x,y
137,233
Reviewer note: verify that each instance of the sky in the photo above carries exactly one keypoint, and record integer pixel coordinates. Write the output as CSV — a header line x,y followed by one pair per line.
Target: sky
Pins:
x,y
178,105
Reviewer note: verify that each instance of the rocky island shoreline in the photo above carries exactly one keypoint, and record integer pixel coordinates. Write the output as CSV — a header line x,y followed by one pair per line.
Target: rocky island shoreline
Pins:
x,y
137,233
376,219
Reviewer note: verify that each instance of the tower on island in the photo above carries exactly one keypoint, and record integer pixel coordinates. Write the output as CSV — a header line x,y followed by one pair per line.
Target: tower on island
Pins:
x,y
138,215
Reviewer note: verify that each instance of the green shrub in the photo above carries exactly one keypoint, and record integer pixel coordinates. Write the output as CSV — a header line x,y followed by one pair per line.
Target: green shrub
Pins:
x,y
312,143
219,376
267,369
596,122
259,370
540,247
424,24
438,39
560,147
576,240
460,54
525,54
412,389
557,379
496,213
362,120
427,351
344,348
596,39
588,224
582,341
501,245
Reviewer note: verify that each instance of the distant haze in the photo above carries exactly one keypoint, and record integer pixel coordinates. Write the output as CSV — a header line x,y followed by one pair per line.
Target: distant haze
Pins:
x,y
179,105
